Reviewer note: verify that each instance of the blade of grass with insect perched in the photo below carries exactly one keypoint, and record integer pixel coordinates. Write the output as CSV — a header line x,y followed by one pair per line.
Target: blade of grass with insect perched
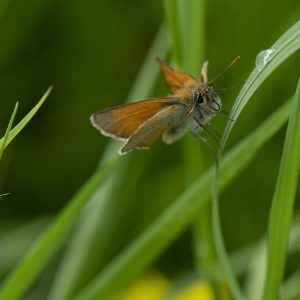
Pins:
x,y
186,21
284,47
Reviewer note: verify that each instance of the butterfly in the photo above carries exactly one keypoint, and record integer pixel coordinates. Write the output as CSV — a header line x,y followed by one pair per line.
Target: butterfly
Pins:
x,y
193,102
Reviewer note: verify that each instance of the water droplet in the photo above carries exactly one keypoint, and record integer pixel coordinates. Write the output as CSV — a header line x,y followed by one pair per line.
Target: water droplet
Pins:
x,y
263,58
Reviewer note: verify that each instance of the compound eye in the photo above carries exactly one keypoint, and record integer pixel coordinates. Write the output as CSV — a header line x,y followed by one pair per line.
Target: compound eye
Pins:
x,y
198,98
215,105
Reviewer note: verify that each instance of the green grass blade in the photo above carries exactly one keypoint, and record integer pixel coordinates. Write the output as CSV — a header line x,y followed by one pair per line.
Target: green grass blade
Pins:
x,y
221,252
51,240
284,47
95,226
16,130
186,23
283,202
191,19
4,139
179,214
187,29
171,9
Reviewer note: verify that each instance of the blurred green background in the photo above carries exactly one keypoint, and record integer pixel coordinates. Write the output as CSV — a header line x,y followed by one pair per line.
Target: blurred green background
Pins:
x,y
84,51
91,51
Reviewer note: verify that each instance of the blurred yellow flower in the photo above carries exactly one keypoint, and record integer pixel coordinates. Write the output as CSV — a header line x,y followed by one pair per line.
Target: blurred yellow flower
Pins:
x,y
151,286
154,286
199,290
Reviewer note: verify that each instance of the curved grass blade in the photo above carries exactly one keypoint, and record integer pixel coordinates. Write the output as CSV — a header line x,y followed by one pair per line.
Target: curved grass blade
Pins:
x,y
284,47
47,245
283,202
179,214
6,135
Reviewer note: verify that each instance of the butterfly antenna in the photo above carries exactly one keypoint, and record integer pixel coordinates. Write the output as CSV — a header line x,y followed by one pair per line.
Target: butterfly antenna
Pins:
x,y
223,90
229,66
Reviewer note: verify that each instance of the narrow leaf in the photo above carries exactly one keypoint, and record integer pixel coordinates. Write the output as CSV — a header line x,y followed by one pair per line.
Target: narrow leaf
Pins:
x,y
16,130
6,135
283,202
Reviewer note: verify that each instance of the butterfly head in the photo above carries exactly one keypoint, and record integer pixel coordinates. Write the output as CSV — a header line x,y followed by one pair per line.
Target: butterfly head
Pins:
x,y
206,100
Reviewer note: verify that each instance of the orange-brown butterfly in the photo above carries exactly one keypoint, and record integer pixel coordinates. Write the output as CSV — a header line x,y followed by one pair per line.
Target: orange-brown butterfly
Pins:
x,y
191,105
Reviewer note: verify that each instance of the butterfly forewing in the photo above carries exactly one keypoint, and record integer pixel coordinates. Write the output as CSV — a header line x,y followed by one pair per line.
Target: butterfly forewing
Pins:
x,y
175,79
124,120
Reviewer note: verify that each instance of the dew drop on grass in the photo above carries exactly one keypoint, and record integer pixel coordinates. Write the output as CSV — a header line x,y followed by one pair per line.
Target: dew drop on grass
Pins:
x,y
263,58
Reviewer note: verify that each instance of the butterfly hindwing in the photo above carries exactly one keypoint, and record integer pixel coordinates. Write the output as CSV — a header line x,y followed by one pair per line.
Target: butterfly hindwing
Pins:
x,y
155,127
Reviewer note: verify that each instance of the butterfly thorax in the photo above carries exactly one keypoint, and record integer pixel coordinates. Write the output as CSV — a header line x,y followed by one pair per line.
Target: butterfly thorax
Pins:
x,y
201,100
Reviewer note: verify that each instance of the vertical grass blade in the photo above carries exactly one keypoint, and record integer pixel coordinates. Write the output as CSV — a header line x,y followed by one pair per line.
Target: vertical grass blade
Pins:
x,y
283,202
187,28
186,21
172,14
221,252
191,18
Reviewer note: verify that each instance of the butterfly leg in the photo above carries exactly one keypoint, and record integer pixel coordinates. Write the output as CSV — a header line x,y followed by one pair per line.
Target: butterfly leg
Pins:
x,y
215,136
197,136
